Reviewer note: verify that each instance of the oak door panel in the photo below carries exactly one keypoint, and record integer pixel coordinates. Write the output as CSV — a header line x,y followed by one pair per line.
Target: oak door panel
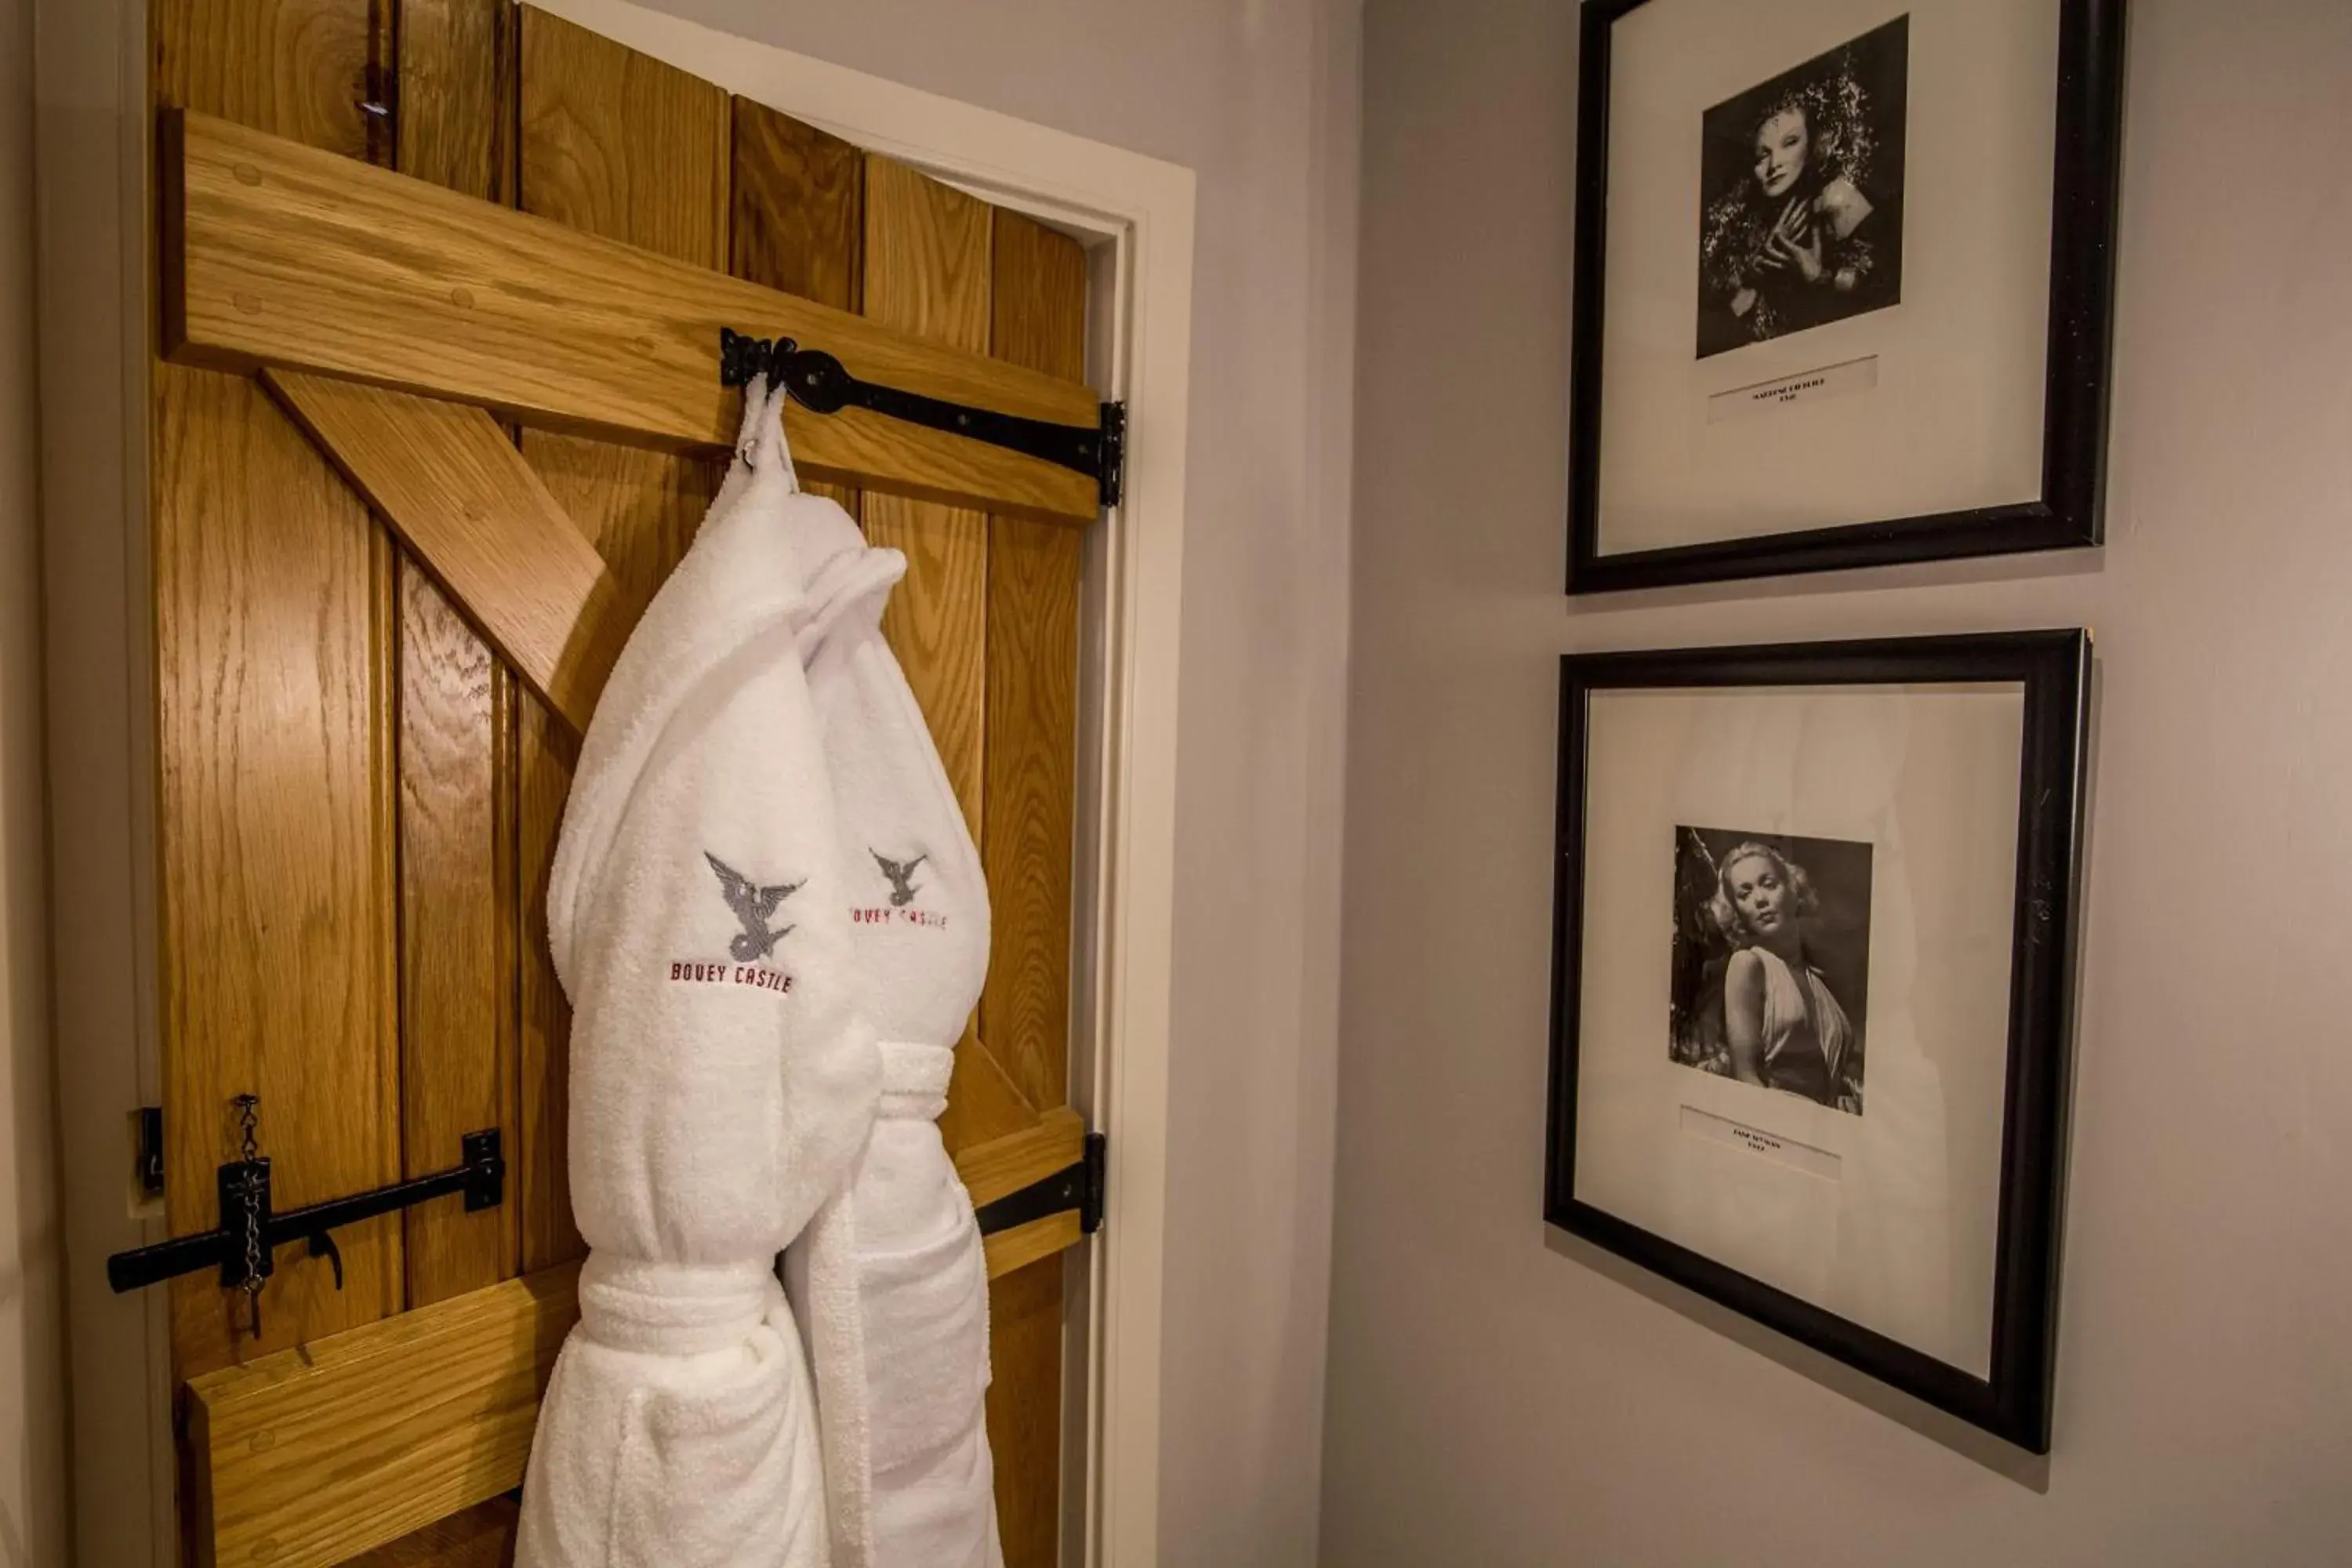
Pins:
x,y
615,144
460,1031
1029,800
1037,319
798,219
275,609
454,120
354,785
926,272
303,70
456,925
274,830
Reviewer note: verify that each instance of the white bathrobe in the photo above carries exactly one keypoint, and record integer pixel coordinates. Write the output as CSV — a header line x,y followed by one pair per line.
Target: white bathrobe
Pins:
x,y
890,1281
762,868
723,1077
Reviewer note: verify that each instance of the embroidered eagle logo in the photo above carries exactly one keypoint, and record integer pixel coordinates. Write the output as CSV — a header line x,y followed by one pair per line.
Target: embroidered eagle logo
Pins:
x,y
901,874
752,906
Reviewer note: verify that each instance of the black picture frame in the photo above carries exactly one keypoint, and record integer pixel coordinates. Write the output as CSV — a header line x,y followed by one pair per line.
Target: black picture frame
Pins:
x,y
2068,514
2054,667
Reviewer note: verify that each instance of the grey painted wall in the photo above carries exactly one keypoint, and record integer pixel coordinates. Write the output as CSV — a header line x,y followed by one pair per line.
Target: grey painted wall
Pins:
x,y
1495,1400
1258,98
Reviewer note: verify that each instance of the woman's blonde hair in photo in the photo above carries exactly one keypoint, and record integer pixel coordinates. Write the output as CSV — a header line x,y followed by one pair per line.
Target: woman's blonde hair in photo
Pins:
x,y
1802,899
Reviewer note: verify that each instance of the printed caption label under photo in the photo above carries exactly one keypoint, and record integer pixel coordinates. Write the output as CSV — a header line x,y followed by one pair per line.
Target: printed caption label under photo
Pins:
x,y
1805,386
1756,1140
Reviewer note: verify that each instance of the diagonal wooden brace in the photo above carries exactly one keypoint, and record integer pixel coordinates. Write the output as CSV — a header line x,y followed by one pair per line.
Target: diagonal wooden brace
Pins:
x,y
482,524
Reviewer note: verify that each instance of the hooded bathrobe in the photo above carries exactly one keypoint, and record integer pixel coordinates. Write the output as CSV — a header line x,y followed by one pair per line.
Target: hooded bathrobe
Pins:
x,y
723,1077
762,869
888,1280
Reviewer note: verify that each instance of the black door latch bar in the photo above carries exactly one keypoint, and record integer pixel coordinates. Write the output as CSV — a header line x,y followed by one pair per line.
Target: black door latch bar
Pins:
x,y
822,385
250,1232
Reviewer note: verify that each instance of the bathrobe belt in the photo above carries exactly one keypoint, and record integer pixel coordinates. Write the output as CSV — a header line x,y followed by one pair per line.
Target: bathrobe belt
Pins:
x,y
657,1308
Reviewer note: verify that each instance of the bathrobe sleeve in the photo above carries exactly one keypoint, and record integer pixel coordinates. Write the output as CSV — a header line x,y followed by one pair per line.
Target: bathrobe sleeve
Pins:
x,y
722,1077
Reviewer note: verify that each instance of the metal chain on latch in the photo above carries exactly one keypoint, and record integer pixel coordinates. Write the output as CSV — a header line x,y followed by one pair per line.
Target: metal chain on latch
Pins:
x,y
250,1180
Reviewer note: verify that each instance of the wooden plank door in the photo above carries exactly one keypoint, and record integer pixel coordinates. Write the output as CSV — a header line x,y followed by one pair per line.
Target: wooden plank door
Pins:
x,y
358,800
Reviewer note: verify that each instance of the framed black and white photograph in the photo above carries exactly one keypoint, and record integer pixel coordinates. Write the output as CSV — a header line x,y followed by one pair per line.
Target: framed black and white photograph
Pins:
x,y
1843,283
1800,186
1771,977
1812,992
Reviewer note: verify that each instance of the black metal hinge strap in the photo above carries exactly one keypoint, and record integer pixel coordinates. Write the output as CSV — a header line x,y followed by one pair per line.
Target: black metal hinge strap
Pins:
x,y
822,385
1077,1186
246,1213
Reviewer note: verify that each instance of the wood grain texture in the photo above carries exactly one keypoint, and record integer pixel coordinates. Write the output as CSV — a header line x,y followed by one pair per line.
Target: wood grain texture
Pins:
x,y
547,751
619,145
314,1456
1038,320
983,1102
927,257
637,510
456,1032
482,1536
274,829
274,254
1023,1376
1013,1252
274,613
926,272
477,516
1028,823
1024,1424
798,219
296,68
454,118
1004,1166
352,1442
453,127
613,147
624,148
798,208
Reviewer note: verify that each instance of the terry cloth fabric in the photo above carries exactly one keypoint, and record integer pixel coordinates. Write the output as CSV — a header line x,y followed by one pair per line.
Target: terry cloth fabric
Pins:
x,y
889,1279
723,1080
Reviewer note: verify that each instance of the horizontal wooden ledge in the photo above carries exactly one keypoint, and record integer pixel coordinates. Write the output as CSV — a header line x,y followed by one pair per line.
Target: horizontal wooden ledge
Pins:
x,y
277,254
1003,1166
314,1456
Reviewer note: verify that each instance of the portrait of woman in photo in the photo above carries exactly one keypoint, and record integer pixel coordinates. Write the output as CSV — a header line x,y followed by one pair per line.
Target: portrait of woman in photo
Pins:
x,y
1783,1025
1802,223
1771,961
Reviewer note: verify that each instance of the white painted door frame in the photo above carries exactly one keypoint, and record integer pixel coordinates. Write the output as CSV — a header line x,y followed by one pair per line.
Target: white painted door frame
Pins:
x,y
1135,215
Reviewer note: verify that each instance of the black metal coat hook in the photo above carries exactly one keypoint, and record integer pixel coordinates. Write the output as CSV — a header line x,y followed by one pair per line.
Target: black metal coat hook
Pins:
x,y
243,1244
822,385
